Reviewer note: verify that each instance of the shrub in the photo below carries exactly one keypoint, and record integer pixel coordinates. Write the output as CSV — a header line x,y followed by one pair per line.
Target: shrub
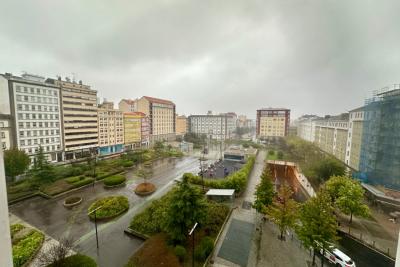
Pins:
x,y
127,163
83,182
204,249
112,206
15,228
180,252
74,179
77,260
236,180
27,247
114,180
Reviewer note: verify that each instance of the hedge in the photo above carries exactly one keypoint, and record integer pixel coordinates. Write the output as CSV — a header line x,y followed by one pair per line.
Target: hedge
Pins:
x,y
114,180
27,247
236,180
204,249
77,260
112,206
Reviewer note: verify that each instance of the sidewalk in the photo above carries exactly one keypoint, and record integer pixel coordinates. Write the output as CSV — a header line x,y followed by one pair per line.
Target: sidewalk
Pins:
x,y
237,237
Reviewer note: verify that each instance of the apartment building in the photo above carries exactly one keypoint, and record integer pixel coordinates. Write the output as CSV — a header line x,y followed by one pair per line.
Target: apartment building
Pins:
x,y
111,129
127,105
354,139
132,129
145,128
380,146
181,125
31,115
331,135
272,122
218,127
79,118
306,127
161,115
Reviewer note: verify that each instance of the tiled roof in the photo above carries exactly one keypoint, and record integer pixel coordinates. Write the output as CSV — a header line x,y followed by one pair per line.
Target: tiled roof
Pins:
x,y
129,101
158,100
135,113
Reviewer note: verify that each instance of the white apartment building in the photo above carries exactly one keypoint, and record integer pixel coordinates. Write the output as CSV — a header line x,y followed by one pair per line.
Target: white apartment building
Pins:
x,y
354,139
218,127
127,105
34,106
331,135
5,132
306,127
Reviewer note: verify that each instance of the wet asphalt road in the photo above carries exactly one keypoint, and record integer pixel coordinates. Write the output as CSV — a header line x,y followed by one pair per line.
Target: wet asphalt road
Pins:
x,y
115,247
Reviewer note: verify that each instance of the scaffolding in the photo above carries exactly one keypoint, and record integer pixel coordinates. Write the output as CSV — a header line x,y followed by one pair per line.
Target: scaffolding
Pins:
x,y
380,146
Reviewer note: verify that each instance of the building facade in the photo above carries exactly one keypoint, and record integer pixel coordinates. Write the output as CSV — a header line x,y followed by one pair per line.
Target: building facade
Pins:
x,y
181,125
127,105
306,127
79,118
34,115
218,127
111,129
354,139
272,122
132,130
161,115
331,135
145,128
380,146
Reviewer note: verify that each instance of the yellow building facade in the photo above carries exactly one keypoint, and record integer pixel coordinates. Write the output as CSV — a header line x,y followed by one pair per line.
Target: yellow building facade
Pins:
x,y
132,129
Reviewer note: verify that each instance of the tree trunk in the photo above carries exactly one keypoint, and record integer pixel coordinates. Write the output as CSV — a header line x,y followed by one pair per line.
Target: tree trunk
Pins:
x,y
351,217
322,258
313,257
281,235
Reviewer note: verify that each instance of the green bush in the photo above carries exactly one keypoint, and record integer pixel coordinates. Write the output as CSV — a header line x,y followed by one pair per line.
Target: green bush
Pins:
x,y
127,163
204,249
15,228
77,260
114,180
236,180
112,206
74,179
27,247
216,215
180,252
83,182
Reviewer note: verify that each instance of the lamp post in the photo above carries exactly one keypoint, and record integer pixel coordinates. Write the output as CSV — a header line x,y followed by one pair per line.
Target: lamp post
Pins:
x,y
95,224
191,232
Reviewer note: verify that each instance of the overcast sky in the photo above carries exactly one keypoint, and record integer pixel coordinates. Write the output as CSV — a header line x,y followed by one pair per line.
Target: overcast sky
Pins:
x,y
314,57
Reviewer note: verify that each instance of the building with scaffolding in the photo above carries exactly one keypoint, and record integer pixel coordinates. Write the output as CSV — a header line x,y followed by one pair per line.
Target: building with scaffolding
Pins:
x,y
380,145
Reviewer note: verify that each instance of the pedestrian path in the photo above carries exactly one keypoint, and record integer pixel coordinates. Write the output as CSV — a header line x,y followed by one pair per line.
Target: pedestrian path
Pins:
x,y
234,247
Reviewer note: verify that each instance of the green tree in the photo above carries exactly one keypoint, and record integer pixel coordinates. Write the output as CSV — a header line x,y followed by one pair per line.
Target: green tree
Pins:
x,y
16,162
159,147
42,170
145,171
187,207
317,227
334,185
264,191
283,210
328,167
350,200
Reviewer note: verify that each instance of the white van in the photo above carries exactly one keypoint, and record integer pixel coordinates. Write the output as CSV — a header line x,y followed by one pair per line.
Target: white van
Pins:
x,y
338,258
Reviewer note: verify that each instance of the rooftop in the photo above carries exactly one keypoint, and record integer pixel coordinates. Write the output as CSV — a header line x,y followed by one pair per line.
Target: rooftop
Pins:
x,y
158,100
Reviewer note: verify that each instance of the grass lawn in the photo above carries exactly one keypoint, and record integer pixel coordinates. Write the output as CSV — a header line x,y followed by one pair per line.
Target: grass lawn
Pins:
x,y
273,156
154,252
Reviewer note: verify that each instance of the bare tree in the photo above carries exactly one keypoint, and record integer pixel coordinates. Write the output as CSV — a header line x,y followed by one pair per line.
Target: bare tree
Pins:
x,y
55,254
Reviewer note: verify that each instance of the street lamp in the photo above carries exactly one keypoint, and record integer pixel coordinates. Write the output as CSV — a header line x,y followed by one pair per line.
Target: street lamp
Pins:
x,y
190,233
95,223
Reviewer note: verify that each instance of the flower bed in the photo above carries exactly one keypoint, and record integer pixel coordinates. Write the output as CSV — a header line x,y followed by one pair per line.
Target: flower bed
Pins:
x,y
72,201
25,247
145,189
114,180
77,260
112,206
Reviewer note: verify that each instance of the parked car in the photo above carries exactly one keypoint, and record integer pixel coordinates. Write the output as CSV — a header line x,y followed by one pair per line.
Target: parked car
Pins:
x,y
337,257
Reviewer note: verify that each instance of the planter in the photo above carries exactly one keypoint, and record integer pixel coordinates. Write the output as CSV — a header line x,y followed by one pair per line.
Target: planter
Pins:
x,y
145,189
111,207
70,202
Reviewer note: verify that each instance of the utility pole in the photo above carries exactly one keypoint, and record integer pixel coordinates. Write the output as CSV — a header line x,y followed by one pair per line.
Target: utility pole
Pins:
x,y
5,237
